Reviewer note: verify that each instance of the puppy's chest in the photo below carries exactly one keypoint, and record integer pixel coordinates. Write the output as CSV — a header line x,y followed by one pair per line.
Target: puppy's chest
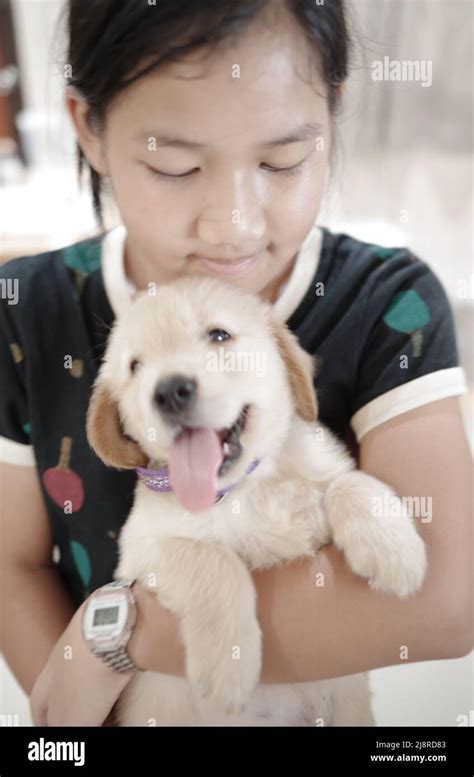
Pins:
x,y
279,520
283,520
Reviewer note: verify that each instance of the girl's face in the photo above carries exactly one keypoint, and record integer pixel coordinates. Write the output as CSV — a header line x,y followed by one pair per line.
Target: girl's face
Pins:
x,y
218,159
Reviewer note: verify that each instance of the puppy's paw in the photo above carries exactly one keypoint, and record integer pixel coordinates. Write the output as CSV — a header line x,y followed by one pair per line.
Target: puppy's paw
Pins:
x,y
396,566
224,678
382,546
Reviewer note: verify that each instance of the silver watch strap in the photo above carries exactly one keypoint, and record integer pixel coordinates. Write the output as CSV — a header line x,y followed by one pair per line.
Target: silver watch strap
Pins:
x,y
118,660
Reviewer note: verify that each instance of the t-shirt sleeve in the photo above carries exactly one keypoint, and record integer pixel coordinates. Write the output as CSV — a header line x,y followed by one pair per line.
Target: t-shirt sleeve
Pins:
x,y
15,429
410,354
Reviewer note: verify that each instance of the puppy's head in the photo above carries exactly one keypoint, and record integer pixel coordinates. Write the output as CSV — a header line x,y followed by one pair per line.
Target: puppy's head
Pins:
x,y
201,377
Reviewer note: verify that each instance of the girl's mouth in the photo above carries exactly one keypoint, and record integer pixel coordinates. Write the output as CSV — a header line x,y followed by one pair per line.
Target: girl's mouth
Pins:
x,y
227,268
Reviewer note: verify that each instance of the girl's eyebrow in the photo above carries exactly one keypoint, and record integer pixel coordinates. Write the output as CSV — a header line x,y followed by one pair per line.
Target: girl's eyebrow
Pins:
x,y
305,131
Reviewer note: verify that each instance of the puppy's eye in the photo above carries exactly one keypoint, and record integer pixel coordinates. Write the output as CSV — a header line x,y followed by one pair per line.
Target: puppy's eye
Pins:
x,y
134,366
219,335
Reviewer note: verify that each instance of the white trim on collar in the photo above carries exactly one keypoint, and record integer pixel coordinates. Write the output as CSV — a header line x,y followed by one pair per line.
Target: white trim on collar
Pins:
x,y
439,384
118,288
120,291
12,452
301,276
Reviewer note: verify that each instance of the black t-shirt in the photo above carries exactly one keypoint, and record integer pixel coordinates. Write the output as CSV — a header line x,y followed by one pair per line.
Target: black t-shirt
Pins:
x,y
378,318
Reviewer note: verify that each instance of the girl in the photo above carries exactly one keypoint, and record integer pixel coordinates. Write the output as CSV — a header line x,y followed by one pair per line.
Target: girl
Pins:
x,y
213,124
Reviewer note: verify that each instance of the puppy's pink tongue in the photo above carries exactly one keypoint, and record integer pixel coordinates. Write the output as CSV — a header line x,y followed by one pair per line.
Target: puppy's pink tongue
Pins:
x,y
194,461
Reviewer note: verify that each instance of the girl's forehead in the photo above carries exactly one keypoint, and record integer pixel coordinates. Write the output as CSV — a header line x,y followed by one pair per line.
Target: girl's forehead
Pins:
x,y
259,80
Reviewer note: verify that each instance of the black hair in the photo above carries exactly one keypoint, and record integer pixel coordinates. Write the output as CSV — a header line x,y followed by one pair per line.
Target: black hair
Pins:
x,y
109,42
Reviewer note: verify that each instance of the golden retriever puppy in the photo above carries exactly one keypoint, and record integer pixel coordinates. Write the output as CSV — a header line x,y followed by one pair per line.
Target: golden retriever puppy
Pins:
x,y
213,403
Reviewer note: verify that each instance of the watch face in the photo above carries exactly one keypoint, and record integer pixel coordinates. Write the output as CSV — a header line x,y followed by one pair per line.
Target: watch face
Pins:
x,y
106,623
106,616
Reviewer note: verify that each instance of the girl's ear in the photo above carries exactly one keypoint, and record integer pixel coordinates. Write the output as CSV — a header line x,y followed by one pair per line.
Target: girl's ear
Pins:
x,y
105,433
301,368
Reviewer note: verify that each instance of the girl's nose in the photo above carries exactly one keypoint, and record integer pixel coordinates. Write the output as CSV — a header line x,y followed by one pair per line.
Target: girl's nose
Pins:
x,y
232,215
233,230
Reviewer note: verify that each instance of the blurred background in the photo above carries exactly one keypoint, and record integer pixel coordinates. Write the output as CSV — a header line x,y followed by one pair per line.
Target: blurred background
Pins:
x,y
403,175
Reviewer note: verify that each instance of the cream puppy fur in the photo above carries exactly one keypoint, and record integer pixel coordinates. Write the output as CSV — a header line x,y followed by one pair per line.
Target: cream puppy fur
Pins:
x,y
305,492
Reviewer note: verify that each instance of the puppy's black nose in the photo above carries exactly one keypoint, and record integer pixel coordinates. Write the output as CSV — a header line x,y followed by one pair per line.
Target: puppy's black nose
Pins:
x,y
175,394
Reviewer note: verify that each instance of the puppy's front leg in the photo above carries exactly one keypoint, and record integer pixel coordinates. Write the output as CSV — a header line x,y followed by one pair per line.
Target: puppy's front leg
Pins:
x,y
210,589
386,549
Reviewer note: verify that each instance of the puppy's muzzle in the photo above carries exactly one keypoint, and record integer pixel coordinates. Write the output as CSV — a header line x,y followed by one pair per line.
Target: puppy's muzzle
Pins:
x,y
175,396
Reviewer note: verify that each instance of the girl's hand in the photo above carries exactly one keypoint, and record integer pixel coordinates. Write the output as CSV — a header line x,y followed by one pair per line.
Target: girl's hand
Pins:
x,y
75,688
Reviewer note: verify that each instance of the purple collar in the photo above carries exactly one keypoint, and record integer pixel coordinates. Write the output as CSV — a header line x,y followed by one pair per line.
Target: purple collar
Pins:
x,y
158,479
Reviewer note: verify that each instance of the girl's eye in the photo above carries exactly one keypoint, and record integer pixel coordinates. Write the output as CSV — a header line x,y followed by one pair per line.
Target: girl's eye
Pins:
x,y
170,176
219,335
293,170
135,366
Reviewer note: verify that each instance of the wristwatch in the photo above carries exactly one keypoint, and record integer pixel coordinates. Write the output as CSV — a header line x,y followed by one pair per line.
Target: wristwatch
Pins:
x,y
107,624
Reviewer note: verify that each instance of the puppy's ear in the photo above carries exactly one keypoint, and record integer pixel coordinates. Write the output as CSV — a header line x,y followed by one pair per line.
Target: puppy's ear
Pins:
x,y
105,433
301,368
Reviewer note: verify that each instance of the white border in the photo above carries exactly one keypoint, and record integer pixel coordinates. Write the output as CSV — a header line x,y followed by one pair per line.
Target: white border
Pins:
x,y
118,288
302,274
12,452
417,392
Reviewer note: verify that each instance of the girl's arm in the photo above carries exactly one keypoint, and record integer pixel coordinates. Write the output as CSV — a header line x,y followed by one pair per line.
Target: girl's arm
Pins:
x,y
35,604
312,632
40,634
